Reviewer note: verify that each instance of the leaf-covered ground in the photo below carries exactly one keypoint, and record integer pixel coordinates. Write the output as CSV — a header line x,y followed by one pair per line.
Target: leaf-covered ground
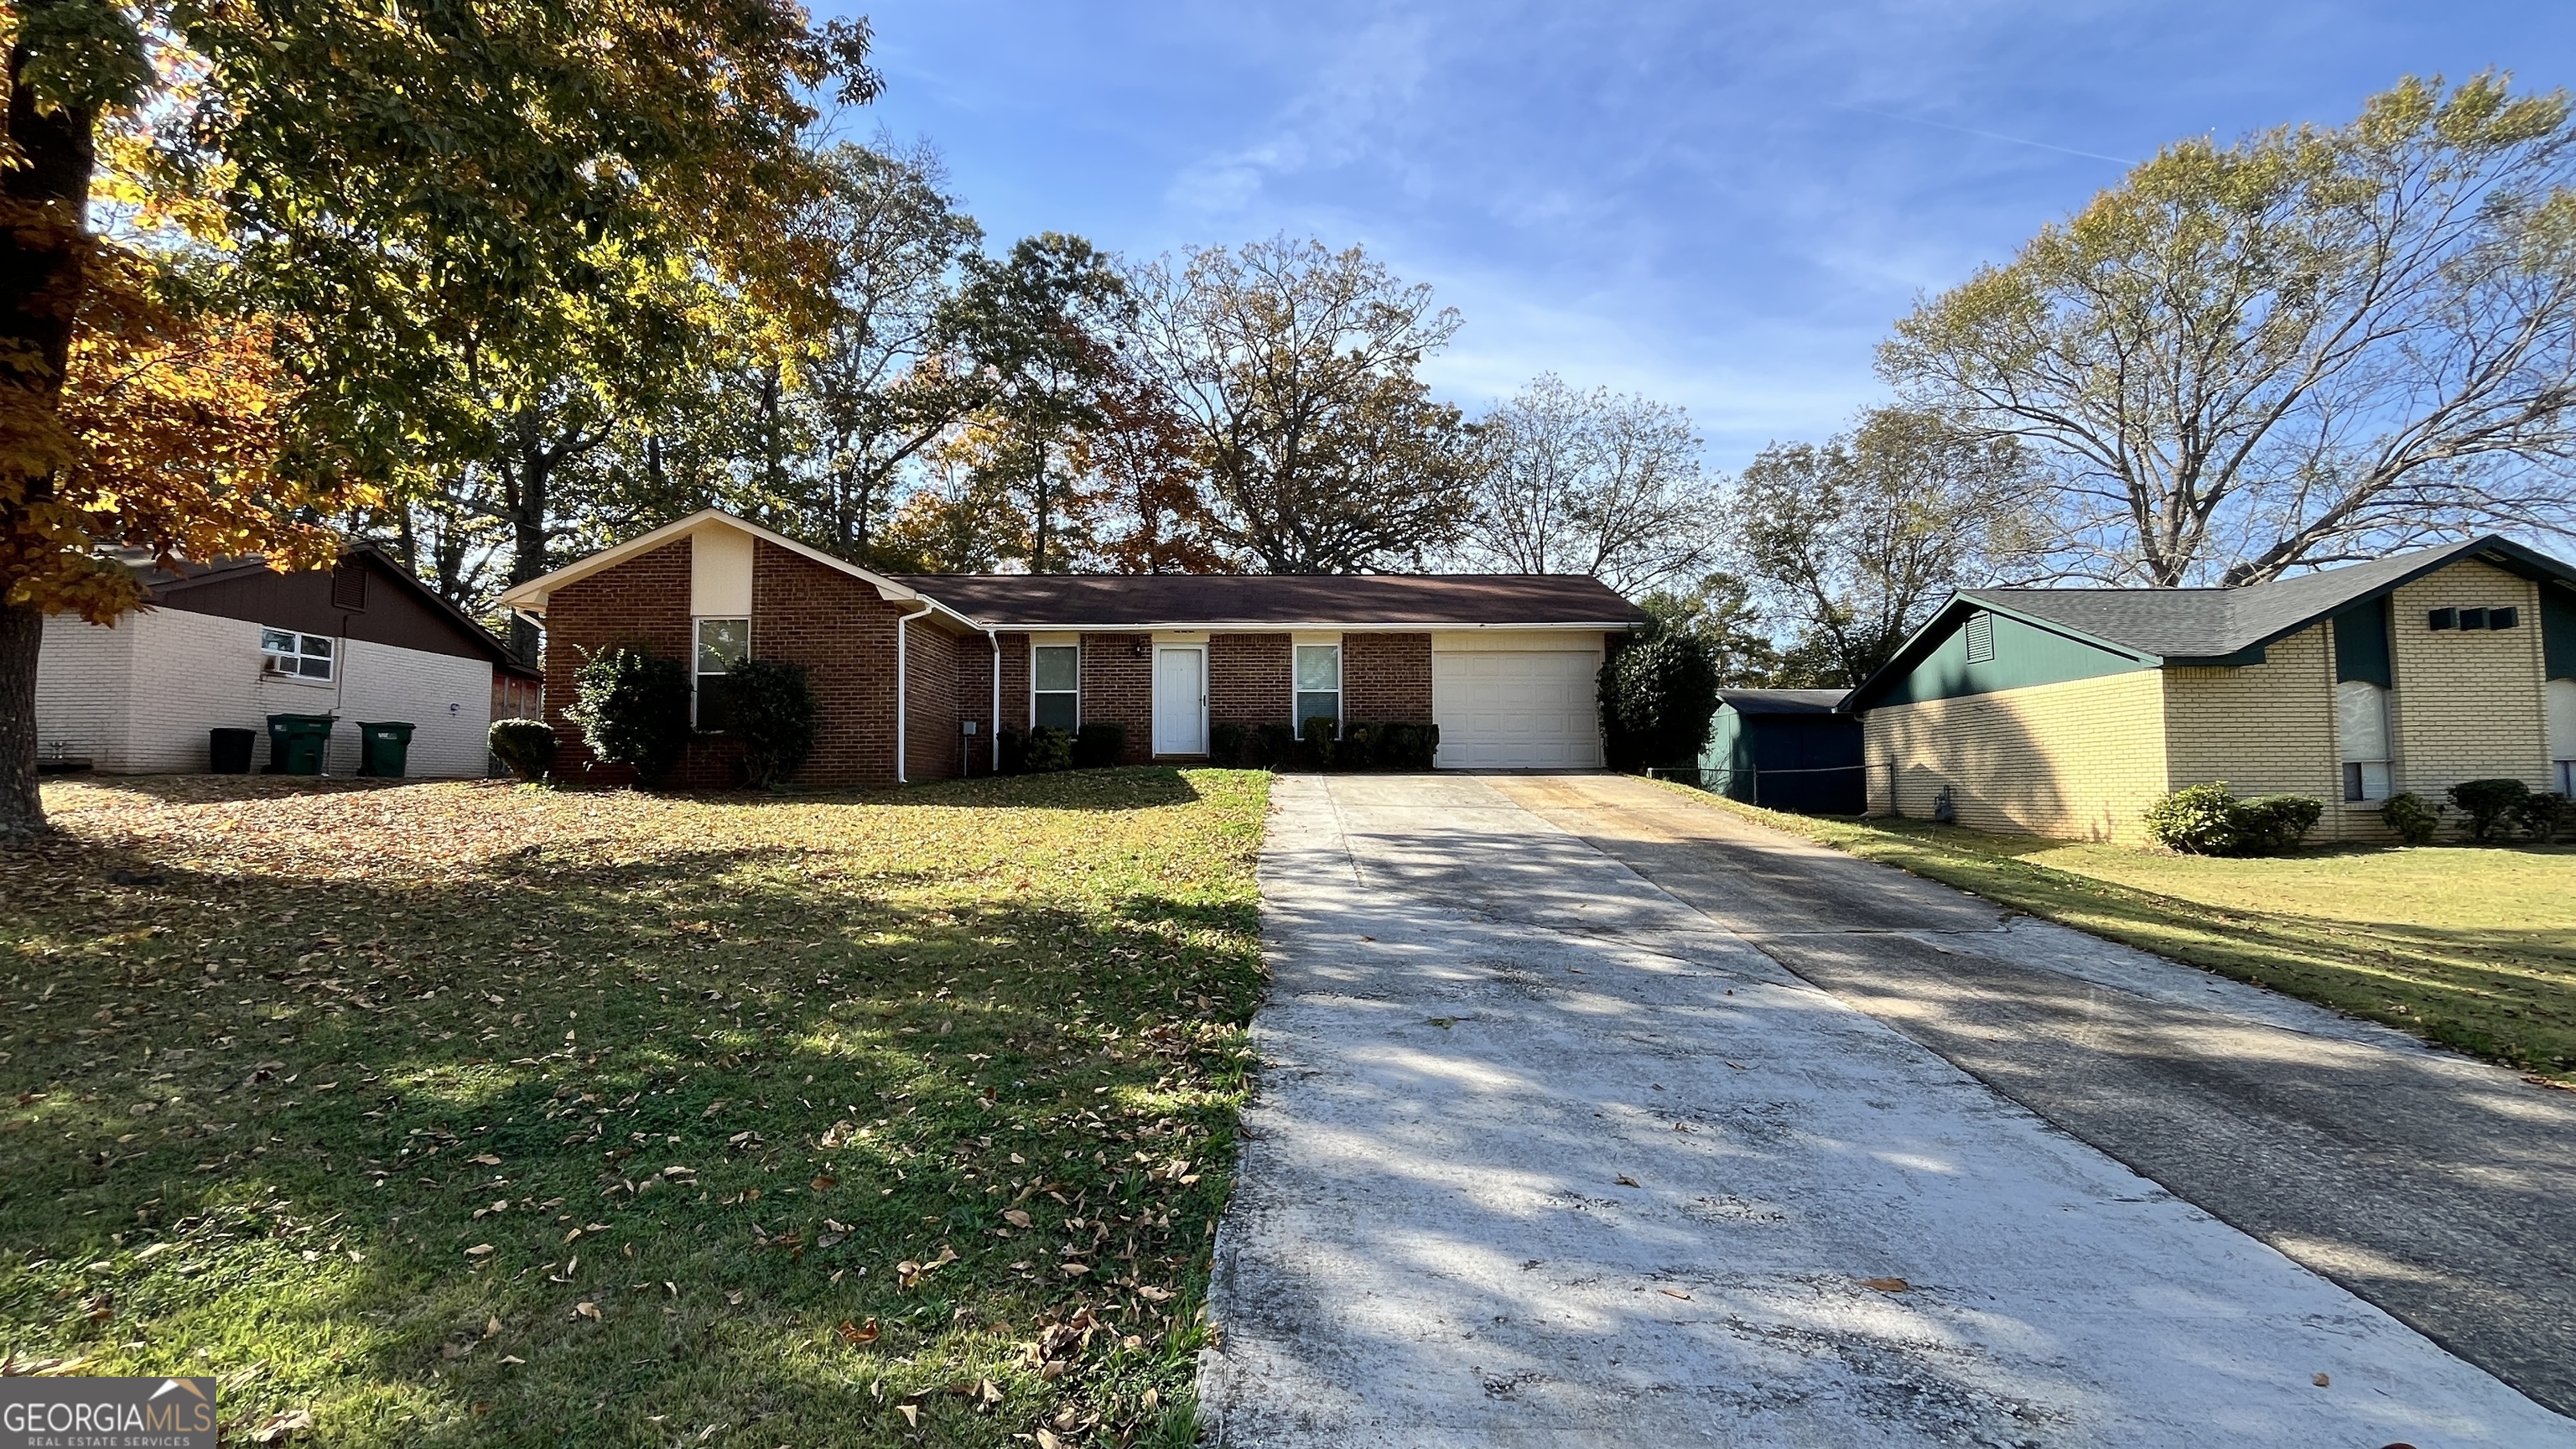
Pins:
x,y
467,1113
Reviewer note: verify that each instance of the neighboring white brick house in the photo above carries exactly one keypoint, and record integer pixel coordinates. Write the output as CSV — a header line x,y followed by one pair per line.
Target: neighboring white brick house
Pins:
x,y
140,696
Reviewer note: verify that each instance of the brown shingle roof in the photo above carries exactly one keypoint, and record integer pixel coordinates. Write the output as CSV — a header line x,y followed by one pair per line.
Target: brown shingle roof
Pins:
x,y
1066,601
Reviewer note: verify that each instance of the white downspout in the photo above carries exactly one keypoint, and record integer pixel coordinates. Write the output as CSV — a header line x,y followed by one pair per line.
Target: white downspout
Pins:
x,y
902,683
993,727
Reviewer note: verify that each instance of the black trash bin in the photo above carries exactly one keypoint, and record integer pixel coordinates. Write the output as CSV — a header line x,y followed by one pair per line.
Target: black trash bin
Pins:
x,y
296,742
228,750
384,748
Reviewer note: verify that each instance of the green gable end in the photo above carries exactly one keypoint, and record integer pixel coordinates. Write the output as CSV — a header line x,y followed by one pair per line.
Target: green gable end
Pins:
x,y
2023,655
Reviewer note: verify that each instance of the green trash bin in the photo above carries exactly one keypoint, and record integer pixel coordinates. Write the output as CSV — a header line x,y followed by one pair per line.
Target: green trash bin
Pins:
x,y
384,748
296,742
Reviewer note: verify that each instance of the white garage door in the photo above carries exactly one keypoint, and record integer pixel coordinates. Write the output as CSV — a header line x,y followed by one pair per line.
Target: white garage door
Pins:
x,y
1502,708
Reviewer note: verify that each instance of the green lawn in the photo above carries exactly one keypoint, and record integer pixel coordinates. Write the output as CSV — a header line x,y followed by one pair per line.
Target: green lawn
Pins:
x,y
2472,947
468,1113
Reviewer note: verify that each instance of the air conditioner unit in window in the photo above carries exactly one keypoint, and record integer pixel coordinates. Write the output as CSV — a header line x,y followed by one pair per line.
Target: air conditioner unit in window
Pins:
x,y
271,664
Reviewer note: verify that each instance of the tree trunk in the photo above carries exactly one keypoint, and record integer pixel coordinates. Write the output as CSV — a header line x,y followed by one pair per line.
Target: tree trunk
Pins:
x,y
22,633
43,246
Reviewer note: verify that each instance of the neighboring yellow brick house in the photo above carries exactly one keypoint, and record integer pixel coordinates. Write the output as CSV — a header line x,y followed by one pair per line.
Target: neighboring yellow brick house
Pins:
x,y
2065,712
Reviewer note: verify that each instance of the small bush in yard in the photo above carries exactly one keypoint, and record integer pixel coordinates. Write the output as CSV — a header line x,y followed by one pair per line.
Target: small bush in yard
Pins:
x,y
1011,752
633,710
774,716
1318,738
1097,746
2545,814
1048,750
1407,746
2207,820
2196,820
2275,824
2415,819
1227,744
1273,744
1357,748
527,746
2494,807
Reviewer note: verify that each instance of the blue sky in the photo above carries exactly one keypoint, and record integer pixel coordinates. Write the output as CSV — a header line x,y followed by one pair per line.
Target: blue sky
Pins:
x,y
1722,206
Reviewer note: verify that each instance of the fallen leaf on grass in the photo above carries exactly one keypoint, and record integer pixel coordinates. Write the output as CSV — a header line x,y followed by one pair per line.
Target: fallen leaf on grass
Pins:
x,y
1016,1217
478,1250
824,1184
589,1311
911,1415
281,1426
858,1335
486,1159
1887,1285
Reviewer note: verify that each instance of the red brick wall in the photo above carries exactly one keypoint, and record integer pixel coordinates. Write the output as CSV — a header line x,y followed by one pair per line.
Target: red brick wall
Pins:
x,y
975,663
1386,678
641,603
931,738
802,612
1251,679
1015,682
1118,688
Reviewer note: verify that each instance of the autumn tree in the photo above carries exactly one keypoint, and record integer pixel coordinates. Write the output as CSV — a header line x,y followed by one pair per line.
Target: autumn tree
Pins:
x,y
2310,345
1298,371
1035,328
1576,482
1851,543
378,177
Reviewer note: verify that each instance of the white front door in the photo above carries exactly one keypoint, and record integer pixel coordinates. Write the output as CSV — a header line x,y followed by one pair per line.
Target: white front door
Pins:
x,y
1180,699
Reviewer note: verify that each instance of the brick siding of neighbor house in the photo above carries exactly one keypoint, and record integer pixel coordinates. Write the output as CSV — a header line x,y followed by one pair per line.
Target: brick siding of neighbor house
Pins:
x,y
2080,759
1251,679
2266,729
1386,678
1118,688
642,601
2467,705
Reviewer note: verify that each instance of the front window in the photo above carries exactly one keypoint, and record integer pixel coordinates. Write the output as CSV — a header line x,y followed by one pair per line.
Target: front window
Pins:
x,y
1055,686
1319,685
302,656
722,643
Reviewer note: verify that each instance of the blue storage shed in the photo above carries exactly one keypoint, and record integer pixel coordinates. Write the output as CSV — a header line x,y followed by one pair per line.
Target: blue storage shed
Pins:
x,y
1785,749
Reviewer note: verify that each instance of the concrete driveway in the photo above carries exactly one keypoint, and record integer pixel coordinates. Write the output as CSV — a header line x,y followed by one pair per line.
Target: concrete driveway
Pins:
x,y
1545,1156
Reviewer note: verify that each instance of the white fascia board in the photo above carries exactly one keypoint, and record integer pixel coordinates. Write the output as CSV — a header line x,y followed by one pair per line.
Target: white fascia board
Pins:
x,y
1316,626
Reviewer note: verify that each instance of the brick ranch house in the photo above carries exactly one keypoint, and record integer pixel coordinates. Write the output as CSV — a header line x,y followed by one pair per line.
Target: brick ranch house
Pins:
x,y
2065,712
916,672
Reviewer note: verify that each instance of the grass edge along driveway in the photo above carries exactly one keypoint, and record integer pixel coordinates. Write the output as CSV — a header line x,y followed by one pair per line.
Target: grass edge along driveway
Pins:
x,y
466,1113
2504,993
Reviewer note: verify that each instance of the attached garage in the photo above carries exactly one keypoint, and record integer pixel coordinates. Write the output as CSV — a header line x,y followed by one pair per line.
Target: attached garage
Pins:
x,y
1523,699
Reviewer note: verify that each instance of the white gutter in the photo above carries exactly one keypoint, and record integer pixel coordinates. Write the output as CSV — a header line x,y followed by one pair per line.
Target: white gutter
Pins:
x,y
903,679
1238,626
993,726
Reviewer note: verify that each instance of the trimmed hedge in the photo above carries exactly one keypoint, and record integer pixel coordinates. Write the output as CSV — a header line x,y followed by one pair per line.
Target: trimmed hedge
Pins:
x,y
2207,820
2494,807
1097,746
1658,701
1048,750
527,746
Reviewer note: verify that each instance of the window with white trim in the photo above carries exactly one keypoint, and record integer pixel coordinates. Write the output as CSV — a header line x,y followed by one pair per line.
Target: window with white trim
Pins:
x,y
298,656
1319,686
722,644
1055,686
